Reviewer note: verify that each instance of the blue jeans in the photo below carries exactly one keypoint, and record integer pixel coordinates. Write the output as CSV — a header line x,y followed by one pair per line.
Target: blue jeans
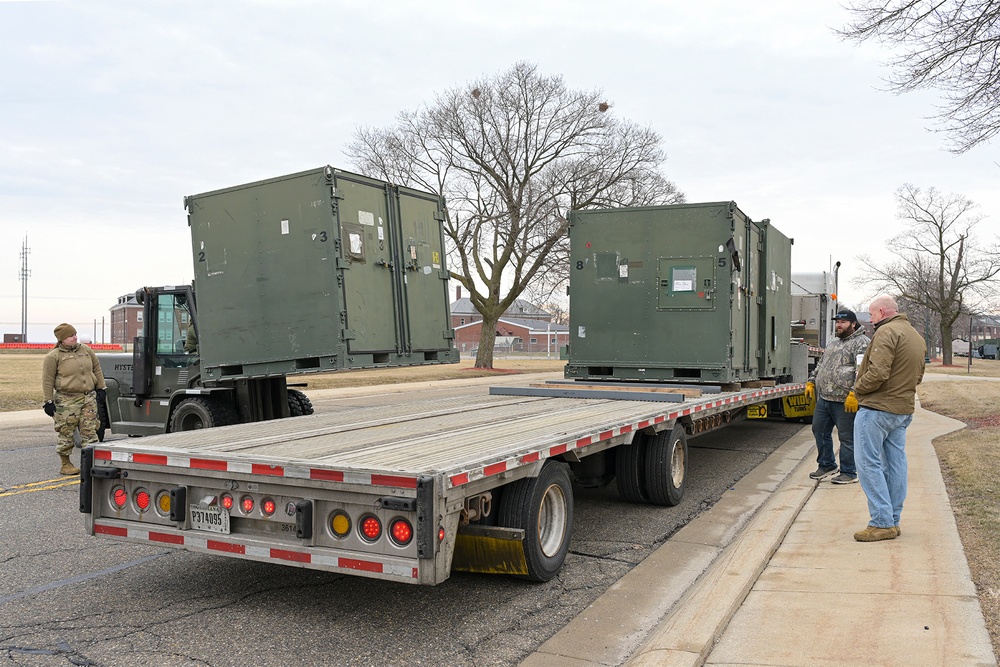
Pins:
x,y
881,450
827,415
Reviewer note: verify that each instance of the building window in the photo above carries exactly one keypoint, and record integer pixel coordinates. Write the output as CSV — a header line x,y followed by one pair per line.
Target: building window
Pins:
x,y
462,321
533,340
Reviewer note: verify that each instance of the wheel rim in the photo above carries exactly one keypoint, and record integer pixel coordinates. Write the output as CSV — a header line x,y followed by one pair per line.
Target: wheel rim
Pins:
x,y
192,423
677,463
552,519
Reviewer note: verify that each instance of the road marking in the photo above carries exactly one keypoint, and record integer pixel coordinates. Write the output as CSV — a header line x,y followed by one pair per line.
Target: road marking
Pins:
x,y
45,485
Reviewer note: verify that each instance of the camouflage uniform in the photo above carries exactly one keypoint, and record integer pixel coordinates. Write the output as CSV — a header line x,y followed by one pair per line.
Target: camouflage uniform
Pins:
x,y
75,411
69,377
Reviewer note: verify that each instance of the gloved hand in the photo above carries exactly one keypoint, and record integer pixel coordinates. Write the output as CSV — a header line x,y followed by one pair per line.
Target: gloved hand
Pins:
x,y
810,391
851,403
102,395
50,408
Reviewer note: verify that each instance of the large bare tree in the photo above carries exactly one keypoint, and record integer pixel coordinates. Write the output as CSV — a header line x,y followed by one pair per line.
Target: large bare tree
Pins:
x,y
938,264
949,45
512,153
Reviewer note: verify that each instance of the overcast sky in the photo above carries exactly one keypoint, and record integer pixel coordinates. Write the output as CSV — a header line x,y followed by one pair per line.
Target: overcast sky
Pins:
x,y
112,112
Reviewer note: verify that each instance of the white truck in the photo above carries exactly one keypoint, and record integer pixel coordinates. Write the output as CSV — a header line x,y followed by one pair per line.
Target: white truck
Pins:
x,y
408,484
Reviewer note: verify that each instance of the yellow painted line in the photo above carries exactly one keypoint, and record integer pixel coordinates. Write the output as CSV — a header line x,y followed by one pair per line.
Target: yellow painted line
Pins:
x,y
35,486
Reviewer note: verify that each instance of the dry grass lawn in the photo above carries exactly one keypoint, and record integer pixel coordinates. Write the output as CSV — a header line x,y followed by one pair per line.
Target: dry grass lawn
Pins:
x,y
969,464
968,457
21,376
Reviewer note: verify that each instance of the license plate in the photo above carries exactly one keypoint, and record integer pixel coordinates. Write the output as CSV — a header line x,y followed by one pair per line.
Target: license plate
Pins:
x,y
757,412
209,517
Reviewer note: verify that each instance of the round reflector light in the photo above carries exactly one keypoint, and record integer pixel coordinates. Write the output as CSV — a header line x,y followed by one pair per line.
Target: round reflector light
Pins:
x,y
401,531
440,533
119,496
267,506
340,523
371,528
246,504
142,499
227,501
163,502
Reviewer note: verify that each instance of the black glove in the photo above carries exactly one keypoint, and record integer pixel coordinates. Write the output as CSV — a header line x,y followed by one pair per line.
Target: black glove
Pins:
x,y
50,408
102,395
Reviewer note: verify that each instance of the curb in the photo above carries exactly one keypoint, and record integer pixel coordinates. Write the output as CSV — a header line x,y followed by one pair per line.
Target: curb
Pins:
x,y
671,608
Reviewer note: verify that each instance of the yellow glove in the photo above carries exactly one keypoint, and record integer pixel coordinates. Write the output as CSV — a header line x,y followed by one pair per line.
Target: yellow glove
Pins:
x,y
810,391
851,403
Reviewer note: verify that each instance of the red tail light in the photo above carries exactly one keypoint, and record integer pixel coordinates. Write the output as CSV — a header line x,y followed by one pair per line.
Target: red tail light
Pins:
x,y
267,506
246,504
227,501
142,499
371,528
119,497
401,531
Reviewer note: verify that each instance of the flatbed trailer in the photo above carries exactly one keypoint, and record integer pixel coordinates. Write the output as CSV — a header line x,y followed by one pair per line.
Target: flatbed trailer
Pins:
x,y
406,484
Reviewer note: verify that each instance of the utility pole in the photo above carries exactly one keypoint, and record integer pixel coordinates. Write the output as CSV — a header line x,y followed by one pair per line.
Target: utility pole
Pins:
x,y
24,290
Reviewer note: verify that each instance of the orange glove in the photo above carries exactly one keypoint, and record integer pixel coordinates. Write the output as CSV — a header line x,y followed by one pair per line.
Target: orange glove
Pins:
x,y
810,391
851,403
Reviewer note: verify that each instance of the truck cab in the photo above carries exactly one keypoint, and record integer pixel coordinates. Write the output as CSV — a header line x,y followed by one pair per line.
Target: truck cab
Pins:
x,y
159,387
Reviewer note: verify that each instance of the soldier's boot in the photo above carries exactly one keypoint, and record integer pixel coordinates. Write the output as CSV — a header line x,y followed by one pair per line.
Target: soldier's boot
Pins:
x,y
67,466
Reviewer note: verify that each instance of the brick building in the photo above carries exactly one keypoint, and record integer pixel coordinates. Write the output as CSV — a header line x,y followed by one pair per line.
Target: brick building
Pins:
x,y
126,320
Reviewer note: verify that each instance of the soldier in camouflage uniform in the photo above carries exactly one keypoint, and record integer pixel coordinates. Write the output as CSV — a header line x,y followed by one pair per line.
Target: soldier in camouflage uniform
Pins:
x,y
836,404
71,382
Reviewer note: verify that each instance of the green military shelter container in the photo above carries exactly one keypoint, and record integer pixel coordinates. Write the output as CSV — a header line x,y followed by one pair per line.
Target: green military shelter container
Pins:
x,y
317,271
695,293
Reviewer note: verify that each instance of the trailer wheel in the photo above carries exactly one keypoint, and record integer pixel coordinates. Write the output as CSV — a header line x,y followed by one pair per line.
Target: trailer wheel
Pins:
x,y
630,469
666,470
195,413
543,507
298,404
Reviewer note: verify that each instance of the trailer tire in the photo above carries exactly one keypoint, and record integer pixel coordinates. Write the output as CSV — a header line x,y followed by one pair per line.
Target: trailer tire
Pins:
x,y
543,507
666,469
197,413
298,404
630,469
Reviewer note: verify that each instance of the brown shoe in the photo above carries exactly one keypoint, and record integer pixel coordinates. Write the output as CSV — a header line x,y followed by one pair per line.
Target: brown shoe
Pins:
x,y
67,467
898,531
876,534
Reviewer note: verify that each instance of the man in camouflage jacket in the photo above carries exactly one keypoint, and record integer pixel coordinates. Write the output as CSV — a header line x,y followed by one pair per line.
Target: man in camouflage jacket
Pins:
x,y
71,378
833,384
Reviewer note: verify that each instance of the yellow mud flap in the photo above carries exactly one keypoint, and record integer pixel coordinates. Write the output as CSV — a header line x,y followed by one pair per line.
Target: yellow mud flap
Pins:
x,y
490,550
798,406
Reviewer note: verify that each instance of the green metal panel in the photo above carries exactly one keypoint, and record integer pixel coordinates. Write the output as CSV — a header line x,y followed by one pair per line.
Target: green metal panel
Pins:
x,y
666,293
423,269
301,273
366,235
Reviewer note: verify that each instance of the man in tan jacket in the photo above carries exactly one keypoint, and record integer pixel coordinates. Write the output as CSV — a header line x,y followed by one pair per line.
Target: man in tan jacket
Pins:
x,y
71,380
892,368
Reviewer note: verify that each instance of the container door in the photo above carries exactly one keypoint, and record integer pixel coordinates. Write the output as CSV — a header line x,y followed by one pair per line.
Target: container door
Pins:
x,y
367,261
755,302
425,278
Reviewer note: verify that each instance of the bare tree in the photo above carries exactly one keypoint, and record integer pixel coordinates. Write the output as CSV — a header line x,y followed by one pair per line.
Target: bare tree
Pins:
x,y
511,154
938,264
948,45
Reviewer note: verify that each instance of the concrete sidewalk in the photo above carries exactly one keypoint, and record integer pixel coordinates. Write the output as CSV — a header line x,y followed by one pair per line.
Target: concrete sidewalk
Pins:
x,y
793,587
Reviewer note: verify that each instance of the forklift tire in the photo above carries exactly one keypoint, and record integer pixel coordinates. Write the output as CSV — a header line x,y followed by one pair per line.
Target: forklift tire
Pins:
x,y
666,466
196,413
298,404
630,469
543,507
